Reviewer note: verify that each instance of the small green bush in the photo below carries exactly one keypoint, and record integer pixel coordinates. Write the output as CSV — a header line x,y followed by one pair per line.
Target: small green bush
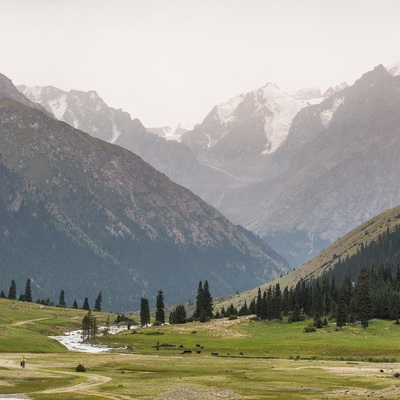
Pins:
x,y
80,368
310,328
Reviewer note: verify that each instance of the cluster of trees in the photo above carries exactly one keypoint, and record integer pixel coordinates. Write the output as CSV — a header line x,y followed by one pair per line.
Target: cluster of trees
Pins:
x,y
359,288
374,294
27,296
203,307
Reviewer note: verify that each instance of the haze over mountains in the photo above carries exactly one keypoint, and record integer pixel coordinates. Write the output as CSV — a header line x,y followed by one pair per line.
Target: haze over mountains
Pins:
x,y
299,170
83,215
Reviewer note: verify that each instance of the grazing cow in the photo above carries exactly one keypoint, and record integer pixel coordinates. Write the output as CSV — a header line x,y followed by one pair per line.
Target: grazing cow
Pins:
x,y
240,354
197,345
198,351
181,345
214,354
187,352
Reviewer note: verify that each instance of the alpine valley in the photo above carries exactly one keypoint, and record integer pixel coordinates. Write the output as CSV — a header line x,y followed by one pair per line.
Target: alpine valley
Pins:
x,y
82,215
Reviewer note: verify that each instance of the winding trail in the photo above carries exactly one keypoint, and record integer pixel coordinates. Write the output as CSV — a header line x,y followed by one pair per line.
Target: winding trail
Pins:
x,y
89,387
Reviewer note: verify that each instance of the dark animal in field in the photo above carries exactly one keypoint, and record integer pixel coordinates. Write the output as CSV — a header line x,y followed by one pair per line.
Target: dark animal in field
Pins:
x,y
181,345
214,354
240,354
198,351
197,345
187,352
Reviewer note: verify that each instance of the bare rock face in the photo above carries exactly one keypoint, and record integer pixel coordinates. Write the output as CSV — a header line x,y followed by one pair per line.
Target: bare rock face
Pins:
x,y
110,215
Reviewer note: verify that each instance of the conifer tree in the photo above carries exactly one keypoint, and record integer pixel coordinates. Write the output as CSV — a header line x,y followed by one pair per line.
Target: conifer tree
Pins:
x,y
259,304
61,302
86,304
207,301
199,301
97,304
28,290
160,312
12,292
75,305
144,312
2,295
89,328
277,303
363,302
341,311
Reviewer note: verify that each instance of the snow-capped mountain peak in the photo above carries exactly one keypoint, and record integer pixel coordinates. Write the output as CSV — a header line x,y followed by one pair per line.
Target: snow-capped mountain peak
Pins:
x,y
394,69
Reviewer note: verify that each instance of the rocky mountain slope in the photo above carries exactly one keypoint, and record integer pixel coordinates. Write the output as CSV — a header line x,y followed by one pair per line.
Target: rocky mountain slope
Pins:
x,y
337,168
88,112
135,230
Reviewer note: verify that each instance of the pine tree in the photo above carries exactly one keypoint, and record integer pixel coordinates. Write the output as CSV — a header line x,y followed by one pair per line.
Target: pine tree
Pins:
x,y
12,292
2,295
363,304
259,304
75,305
86,304
341,311
207,301
28,290
178,316
61,302
160,312
199,301
144,312
89,328
97,304
277,303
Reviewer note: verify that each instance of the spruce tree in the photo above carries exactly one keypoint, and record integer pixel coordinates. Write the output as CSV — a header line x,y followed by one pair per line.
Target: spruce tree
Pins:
x,y
86,304
75,305
97,304
2,295
277,303
12,292
61,302
363,304
207,301
144,312
259,304
199,301
89,328
341,311
160,312
28,290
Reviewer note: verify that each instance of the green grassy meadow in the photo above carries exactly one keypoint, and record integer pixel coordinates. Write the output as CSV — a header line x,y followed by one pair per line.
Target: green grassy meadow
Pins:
x,y
278,360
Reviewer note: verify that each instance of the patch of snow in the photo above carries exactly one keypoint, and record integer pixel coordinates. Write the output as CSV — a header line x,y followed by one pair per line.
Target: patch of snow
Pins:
x,y
394,69
283,109
58,106
225,111
115,132
326,116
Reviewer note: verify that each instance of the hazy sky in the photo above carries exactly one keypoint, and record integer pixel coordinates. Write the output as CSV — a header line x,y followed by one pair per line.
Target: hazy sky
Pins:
x,y
171,61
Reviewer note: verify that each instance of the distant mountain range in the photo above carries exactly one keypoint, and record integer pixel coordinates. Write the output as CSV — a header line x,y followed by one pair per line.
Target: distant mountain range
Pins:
x,y
299,170
84,215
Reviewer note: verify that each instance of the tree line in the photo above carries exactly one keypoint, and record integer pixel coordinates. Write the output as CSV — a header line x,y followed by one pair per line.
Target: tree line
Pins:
x,y
27,296
360,287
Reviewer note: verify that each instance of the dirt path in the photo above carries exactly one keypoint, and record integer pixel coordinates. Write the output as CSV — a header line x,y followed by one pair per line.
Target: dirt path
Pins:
x,y
89,387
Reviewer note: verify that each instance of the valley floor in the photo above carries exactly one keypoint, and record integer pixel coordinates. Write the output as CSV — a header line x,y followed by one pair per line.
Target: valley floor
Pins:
x,y
121,377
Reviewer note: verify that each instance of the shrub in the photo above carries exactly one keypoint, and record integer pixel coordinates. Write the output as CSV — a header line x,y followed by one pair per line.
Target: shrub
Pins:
x,y
232,317
80,368
309,328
